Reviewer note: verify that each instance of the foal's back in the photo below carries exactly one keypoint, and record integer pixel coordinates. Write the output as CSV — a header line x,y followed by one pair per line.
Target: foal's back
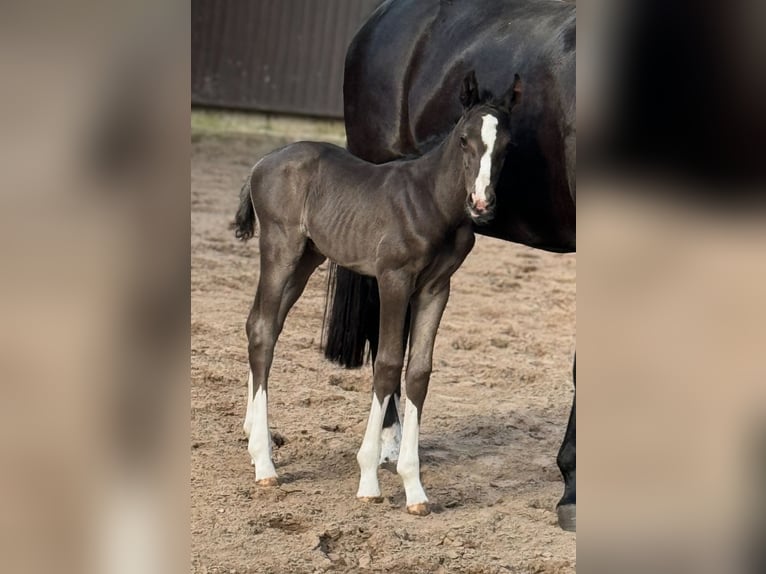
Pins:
x,y
333,197
318,170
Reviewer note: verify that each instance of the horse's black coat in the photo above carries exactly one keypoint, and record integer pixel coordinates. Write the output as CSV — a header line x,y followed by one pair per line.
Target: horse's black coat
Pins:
x,y
402,69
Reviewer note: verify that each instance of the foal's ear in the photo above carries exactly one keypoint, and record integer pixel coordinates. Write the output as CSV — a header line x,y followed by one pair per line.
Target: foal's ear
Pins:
x,y
513,95
469,91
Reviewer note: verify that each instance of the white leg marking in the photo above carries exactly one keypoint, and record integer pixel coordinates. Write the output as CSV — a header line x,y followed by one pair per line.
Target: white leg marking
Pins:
x,y
391,439
368,456
249,412
488,136
259,445
409,461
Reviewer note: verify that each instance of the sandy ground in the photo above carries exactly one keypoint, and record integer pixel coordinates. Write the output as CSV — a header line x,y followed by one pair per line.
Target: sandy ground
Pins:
x,y
492,424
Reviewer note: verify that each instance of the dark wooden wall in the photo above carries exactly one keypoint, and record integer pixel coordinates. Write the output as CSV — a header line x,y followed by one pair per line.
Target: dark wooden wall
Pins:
x,y
273,55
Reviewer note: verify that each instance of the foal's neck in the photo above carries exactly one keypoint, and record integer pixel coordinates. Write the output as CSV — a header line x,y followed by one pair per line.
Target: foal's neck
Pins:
x,y
445,180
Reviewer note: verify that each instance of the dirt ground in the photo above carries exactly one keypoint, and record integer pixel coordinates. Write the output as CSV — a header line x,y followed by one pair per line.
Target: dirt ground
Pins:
x,y
492,424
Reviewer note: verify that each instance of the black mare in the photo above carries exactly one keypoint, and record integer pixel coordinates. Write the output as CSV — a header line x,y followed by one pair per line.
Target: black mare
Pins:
x,y
401,71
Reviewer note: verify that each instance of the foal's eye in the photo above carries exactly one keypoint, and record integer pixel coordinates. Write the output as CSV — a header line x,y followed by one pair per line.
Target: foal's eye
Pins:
x,y
463,141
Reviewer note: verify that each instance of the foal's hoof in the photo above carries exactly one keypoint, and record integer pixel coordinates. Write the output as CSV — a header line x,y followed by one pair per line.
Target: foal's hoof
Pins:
x,y
419,509
270,481
375,499
567,514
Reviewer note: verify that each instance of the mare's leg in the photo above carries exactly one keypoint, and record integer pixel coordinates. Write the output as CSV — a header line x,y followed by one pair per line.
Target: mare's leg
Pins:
x,y
394,296
427,309
567,461
282,257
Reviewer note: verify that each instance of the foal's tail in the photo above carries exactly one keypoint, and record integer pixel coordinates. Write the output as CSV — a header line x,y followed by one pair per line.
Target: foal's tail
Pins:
x,y
244,221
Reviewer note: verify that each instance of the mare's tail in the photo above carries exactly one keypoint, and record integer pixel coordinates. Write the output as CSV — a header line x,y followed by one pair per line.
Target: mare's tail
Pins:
x,y
244,221
352,317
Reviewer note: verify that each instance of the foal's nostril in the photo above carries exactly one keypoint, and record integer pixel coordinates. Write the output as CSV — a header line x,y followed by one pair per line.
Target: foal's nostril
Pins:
x,y
482,205
478,204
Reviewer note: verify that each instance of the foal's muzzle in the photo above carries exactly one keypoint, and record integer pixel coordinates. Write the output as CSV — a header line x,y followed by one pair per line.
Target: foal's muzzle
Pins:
x,y
481,211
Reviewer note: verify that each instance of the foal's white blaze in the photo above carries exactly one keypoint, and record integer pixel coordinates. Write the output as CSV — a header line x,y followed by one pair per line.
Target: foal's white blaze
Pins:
x,y
259,445
488,136
368,456
408,466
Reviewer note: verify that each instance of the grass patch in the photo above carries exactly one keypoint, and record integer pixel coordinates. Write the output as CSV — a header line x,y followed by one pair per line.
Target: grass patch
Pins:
x,y
221,123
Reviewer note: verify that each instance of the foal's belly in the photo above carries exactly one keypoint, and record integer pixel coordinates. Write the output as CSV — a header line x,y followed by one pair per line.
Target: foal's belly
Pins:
x,y
360,266
351,251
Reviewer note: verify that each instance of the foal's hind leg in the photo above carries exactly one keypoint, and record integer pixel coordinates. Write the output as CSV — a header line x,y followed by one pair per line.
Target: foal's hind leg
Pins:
x,y
427,309
307,264
285,269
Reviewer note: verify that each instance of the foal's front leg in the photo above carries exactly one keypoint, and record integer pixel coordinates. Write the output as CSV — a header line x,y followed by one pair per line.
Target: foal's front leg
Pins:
x,y
394,298
427,309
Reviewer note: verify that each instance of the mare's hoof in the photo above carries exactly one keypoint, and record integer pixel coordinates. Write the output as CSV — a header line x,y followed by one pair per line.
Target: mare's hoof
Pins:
x,y
419,509
270,481
567,514
375,499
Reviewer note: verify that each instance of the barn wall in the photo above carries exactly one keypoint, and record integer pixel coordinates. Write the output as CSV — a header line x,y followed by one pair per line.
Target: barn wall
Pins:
x,y
273,55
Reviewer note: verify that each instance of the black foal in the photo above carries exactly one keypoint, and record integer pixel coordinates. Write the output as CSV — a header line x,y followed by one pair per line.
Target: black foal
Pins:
x,y
407,223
